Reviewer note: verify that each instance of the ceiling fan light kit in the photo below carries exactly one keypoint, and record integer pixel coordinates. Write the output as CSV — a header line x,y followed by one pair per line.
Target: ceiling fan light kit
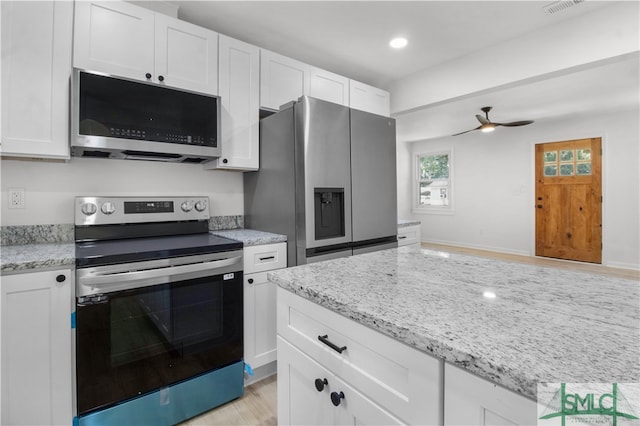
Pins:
x,y
487,125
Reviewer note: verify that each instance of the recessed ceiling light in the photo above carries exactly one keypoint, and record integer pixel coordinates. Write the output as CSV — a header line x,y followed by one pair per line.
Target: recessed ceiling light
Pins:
x,y
398,42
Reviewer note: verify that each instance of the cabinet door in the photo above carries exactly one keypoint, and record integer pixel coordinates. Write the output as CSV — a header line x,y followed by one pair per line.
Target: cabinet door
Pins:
x,y
259,320
355,409
36,65
299,401
36,348
186,56
115,38
282,79
328,86
469,399
368,98
240,93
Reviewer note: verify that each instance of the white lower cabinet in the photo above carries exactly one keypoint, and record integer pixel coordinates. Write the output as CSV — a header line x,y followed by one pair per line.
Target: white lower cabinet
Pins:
x,y
36,348
471,400
260,346
408,235
383,381
309,394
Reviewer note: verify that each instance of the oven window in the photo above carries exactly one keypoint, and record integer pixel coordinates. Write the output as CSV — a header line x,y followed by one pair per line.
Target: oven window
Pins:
x,y
136,341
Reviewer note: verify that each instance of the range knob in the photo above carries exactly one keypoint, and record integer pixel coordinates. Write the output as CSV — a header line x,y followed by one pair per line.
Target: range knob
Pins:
x,y
186,206
108,208
201,205
88,209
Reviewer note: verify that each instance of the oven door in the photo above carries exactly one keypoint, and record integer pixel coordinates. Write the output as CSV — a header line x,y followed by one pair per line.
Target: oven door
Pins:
x,y
137,340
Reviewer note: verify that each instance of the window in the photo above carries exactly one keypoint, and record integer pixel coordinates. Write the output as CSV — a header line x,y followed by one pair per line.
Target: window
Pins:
x,y
433,180
570,162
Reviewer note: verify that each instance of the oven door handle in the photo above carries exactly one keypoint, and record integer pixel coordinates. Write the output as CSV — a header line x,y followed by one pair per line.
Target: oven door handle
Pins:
x,y
93,277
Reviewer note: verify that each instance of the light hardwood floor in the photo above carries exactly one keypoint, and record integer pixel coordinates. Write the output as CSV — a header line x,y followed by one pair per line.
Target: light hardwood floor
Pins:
x,y
540,261
258,405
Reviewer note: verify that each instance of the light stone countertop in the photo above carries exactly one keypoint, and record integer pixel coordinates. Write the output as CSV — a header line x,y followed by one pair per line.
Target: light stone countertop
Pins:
x,y
403,223
251,237
22,258
26,257
544,324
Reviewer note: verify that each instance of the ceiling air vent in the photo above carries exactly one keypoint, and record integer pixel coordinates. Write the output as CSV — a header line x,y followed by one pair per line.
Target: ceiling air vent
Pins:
x,y
558,6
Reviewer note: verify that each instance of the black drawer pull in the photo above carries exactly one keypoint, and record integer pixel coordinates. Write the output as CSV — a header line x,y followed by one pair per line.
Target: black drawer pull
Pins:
x,y
402,238
268,258
324,339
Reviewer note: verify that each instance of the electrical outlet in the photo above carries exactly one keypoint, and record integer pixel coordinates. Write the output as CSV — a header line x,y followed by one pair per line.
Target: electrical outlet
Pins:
x,y
16,198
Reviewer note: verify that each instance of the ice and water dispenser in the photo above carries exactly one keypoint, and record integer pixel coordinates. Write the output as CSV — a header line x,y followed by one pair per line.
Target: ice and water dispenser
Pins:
x,y
329,213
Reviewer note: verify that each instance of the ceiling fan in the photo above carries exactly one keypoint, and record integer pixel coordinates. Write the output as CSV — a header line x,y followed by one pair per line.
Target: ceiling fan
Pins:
x,y
488,126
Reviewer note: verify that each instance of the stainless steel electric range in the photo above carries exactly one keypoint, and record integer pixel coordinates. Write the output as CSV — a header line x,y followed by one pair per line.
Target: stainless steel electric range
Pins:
x,y
158,311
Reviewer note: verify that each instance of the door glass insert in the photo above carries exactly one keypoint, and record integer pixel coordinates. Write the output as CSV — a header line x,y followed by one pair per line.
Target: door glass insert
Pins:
x,y
566,156
551,170
567,162
583,169
566,169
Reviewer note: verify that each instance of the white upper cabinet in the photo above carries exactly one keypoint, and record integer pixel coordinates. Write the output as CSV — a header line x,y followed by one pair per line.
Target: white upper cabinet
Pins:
x,y
369,98
130,41
328,86
282,79
114,38
239,79
186,55
36,64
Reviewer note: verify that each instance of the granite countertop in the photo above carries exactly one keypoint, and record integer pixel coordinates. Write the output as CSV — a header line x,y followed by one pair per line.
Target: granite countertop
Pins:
x,y
250,237
24,257
21,258
543,325
403,223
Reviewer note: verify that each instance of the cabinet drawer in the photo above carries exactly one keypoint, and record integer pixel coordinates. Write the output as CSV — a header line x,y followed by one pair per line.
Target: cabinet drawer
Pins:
x,y
408,235
265,257
402,380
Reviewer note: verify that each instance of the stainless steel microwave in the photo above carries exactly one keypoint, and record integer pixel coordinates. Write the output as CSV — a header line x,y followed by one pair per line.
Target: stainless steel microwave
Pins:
x,y
114,117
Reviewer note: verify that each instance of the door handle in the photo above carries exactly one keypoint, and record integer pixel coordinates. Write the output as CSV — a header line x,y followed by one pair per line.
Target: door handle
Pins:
x,y
539,206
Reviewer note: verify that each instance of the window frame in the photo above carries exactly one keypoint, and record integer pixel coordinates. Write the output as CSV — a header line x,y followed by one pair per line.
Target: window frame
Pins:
x,y
415,193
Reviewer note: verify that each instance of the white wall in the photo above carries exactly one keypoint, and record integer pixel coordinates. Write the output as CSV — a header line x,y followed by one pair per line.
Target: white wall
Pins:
x,y
51,186
494,185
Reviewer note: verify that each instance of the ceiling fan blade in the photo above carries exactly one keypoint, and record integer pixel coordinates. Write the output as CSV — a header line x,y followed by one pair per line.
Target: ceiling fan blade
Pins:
x,y
515,123
482,119
467,131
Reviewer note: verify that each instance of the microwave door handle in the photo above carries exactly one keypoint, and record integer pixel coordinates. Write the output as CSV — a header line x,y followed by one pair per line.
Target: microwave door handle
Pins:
x,y
91,278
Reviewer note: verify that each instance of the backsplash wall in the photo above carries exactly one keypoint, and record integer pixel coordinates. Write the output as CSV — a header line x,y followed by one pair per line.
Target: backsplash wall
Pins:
x,y
50,187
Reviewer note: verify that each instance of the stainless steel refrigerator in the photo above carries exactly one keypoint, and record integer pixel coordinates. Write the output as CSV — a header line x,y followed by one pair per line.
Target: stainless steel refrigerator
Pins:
x,y
327,180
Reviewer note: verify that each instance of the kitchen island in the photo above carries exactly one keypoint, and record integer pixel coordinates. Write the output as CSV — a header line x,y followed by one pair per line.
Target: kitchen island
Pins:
x,y
515,325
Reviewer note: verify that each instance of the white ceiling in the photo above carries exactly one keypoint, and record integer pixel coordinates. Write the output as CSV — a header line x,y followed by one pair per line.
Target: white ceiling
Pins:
x,y
351,38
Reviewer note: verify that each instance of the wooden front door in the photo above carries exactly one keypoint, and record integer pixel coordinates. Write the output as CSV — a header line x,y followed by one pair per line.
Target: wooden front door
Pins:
x,y
569,200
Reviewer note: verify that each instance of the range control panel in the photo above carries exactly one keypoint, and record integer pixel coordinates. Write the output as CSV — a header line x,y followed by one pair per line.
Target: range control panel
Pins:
x,y
116,210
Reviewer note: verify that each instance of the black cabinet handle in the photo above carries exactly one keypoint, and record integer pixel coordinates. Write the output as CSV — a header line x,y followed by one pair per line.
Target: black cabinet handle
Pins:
x,y
148,75
225,161
320,384
324,339
61,278
250,280
336,398
268,258
160,78
402,238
